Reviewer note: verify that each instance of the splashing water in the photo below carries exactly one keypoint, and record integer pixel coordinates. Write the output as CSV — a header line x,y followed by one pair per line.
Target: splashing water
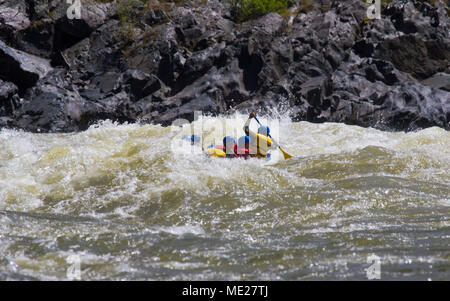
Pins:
x,y
134,203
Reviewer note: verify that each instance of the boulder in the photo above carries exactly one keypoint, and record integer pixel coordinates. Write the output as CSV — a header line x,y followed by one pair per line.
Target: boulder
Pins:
x,y
98,53
13,15
203,103
410,54
23,69
315,90
155,16
439,80
93,15
9,100
38,38
139,84
68,31
370,92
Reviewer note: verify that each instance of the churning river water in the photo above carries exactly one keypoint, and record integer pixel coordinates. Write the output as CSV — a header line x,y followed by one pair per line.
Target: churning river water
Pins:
x,y
131,202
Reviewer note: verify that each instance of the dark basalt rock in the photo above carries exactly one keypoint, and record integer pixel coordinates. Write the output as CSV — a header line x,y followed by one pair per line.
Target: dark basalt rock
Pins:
x,y
70,31
37,39
361,98
106,83
439,81
9,100
23,69
155,16
315,90
13,15
203,103
50,106
139,84
321,64
363,48
93,15
420,58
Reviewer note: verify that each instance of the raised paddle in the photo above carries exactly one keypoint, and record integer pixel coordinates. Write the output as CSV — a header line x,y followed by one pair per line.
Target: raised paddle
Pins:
x,y
286,155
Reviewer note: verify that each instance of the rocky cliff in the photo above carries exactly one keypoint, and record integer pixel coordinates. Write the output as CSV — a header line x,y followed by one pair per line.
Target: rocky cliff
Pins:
x,y
155,62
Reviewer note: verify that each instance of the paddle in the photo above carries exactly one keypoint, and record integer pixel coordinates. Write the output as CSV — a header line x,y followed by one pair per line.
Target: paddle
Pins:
x,y
286,155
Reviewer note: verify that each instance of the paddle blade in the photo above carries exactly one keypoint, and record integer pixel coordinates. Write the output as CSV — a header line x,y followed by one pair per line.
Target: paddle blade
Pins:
x,y
286,155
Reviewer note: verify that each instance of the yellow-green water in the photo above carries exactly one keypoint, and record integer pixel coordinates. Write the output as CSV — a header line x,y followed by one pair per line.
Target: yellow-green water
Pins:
x,y
134,204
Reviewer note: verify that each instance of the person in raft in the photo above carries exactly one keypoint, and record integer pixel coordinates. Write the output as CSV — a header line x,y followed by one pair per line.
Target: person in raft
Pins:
x,y
252,145
243,148
229,147
227,150
193,139
260,143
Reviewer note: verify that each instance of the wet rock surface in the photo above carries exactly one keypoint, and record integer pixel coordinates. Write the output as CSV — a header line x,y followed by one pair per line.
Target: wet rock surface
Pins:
x,y
326,63
21,68
9,100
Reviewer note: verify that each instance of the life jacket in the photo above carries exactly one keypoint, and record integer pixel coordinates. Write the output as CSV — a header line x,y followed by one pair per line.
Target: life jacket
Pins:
x,y
242,153
233,155
215,152
219,151
261,143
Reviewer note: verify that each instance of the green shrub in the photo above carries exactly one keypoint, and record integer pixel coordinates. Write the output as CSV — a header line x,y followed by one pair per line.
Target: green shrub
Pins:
x,y
248,9
127,19
126,11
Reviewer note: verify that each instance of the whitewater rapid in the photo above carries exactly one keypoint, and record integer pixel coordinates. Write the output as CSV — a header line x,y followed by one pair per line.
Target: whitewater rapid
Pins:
x,y
133,202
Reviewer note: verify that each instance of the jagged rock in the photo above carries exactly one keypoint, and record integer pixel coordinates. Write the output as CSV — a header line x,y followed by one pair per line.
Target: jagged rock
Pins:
x,y
99,53
139,84
416,17
315,90
197,65
23,69
55,106
363,48
93,15
35,32
203,103
13,15
155,16
106,83
410,54
369,99
414,106
49,107
439,81
154,54
225,85
323,64
9,99
38,38
68,32
268,24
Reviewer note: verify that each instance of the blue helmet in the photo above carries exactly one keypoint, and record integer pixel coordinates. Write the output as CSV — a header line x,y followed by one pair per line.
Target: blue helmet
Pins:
x,y
242,141
186,137
264,130
229,143
228,140
195,139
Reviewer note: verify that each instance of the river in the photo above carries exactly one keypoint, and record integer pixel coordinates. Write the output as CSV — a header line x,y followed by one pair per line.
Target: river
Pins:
x,y
130,202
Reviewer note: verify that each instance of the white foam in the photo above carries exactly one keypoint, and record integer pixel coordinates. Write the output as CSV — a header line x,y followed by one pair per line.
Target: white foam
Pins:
x,y
183,230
